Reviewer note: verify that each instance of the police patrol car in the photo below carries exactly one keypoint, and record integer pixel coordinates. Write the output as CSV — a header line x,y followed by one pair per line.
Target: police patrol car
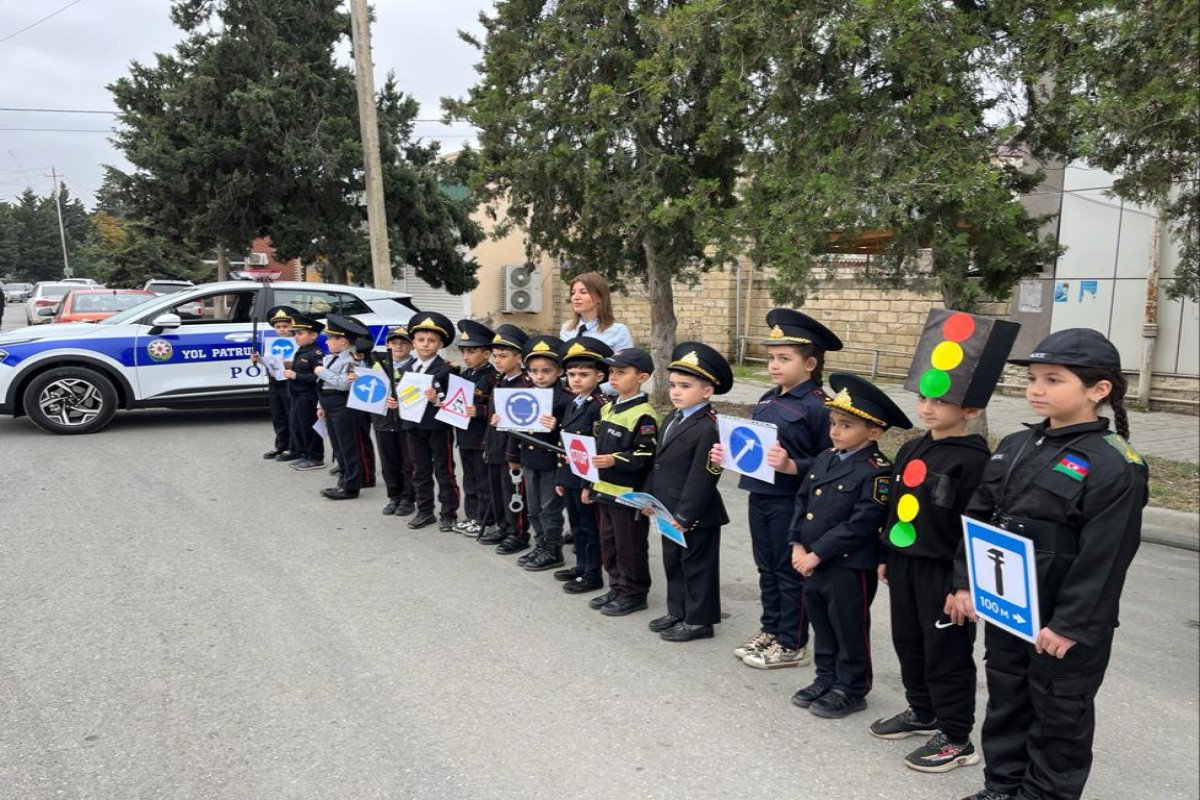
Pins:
x,y
190,349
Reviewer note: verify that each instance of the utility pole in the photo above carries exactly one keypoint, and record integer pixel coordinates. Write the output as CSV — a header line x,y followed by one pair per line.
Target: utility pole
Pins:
x,y
62,233
360,34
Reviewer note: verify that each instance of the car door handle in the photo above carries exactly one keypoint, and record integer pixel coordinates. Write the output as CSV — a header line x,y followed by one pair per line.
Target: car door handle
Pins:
x,y
239,337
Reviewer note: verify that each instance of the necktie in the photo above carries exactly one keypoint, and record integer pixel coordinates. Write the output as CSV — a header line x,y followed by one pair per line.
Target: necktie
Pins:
x,y
676,418
581,331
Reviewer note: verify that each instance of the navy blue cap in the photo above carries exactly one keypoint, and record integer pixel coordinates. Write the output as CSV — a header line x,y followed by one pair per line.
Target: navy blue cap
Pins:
x,y
303,323
282,314
510,336
337,325
1074,347
631,357
697,358
398,332
863,399
586,350
474,334
432,321
543,345
789,326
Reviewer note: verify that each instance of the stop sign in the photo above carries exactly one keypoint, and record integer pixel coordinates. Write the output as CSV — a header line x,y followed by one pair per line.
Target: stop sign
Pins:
x,y
579,457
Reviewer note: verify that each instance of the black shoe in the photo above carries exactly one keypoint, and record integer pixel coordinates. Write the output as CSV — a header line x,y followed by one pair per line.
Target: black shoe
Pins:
x,y
660,624
406,508
391,507
602,600
287,455
837,704
271,454
569,574
494,536
906,723
622,606
544,560
808,695
338,493
446,524
939,754
988,794
421,521
686,633
512,544
308,465
335,470
524,559
584,584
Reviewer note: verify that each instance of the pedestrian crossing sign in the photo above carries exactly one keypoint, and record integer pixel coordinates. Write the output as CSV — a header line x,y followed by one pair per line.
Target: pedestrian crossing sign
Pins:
x,y
1002,568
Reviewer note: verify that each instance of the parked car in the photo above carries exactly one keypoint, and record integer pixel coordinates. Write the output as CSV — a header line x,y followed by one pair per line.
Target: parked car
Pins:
x,y
46,294
93,305
88,282
190,349
17,292
167,287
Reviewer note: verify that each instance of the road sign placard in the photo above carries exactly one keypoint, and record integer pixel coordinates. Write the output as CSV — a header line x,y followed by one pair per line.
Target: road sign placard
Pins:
x,y
1002,568
279,346
746,443
369,392
581,455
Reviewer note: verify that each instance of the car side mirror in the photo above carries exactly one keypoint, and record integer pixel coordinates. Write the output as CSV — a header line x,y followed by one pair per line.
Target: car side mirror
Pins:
x,y
46,311
166,321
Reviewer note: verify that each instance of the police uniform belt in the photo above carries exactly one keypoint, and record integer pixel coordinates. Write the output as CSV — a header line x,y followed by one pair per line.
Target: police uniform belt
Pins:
x,y
1046,536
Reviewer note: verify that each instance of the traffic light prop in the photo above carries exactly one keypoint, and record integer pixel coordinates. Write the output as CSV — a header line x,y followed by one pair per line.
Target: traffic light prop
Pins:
x,y
960,357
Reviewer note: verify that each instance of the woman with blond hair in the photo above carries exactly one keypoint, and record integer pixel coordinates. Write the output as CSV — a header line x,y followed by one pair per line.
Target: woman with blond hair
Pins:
x,y
592,315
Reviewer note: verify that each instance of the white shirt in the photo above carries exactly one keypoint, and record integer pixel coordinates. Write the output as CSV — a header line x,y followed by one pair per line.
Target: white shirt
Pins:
x,y
616,336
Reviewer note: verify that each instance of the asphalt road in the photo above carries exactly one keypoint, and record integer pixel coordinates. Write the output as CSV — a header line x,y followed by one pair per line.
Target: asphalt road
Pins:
x,y
181,619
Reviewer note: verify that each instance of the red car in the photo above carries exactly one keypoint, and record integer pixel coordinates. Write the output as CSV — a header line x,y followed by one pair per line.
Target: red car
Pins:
x,y
93,305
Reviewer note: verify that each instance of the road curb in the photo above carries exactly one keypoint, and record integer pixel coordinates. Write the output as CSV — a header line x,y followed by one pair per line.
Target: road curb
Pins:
x,y
1170,528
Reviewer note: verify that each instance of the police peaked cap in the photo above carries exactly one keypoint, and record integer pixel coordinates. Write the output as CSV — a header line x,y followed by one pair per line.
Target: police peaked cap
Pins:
x,y
474,334
432,321
788,326
398,332
585,349
1074,347
364,345
337,325
865,400
510,336
282,314
542,346
303,323
697,358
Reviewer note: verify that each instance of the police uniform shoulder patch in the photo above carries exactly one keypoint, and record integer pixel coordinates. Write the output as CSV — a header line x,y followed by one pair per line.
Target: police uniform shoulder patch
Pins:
x,y
1117,441
713,467
647,429
879,461
881,492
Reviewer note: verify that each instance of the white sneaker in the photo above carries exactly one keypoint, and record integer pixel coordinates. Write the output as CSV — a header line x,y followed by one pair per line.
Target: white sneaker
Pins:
x,y
759,641
774,657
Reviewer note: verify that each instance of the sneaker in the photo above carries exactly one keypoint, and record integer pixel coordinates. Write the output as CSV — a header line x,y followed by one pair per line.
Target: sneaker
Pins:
x,y
471,531
461,525
837,704
761,640
583,584
512,544
776,656
271,455
544,559
804,698
524,559
491,536
904,724
989,794
308,465
569,574
940,754
288,455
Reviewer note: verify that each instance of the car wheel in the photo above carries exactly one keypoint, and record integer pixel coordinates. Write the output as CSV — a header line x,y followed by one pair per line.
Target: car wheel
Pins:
x,y
70,400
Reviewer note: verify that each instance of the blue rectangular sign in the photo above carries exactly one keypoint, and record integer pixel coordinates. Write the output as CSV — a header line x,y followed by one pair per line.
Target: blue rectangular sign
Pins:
x,y
1002,567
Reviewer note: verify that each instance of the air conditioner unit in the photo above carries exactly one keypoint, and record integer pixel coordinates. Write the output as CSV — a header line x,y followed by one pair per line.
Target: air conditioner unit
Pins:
x,y
520,289
256,260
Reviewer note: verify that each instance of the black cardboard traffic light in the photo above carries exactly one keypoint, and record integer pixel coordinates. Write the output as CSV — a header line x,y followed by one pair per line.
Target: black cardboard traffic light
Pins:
x,y
960,357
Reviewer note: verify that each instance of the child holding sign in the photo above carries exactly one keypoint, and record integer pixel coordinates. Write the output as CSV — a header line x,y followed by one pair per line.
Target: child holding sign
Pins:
x,y
1077,489
796,346
685,481
933,479
431,441
280,318
511,534
582,358
475,343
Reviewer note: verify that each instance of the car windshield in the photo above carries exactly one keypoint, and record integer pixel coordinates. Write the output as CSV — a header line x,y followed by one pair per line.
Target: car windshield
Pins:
x,y
93,303
55,290
136,311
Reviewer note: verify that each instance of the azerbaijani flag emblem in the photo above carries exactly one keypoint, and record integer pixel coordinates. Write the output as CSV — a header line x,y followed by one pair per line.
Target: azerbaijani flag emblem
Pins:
x,y
1074,466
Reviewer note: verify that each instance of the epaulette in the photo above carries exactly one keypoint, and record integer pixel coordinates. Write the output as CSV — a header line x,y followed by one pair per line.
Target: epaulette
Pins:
x,y
878,461
1132,456
820,392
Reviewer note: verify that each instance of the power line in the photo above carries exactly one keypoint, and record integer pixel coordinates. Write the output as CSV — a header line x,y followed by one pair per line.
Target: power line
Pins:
x,y
34,24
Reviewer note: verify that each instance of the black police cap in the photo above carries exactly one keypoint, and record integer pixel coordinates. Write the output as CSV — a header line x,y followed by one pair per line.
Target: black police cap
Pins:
x,y
337,325
865,400
434,322
282,314
585,350
510,336
398,332
303,323
364,345
697,358
632,357
788,326
542,346
474,334
1074,347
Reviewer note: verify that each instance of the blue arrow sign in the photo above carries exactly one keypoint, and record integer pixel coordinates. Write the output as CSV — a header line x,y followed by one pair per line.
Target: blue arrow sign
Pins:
x,y
1002,568
746,449
369,388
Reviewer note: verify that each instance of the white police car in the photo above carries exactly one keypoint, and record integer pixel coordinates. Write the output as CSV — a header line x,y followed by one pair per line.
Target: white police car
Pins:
x,y
190,349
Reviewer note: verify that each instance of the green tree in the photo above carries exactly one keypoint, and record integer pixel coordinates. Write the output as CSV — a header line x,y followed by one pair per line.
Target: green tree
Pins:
x,y
594,128
249,128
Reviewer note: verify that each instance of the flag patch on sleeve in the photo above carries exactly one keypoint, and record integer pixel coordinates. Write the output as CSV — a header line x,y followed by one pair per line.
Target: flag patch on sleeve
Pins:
x,y
1074,466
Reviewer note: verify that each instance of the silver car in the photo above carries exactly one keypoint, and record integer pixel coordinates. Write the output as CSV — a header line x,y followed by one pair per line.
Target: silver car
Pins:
x,y
17,292
46,294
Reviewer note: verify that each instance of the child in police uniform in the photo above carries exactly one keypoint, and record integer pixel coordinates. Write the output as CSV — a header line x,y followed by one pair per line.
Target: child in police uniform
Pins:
x,y
431,441
280,318
511,534
336,375
685,481
840,508
475,343
958,361
625,442
303,388
796,345
394,461
582,359
1077,489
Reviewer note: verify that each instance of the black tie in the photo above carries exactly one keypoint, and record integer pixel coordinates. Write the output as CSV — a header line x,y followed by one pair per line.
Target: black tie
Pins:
x,y
676,418
581,331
